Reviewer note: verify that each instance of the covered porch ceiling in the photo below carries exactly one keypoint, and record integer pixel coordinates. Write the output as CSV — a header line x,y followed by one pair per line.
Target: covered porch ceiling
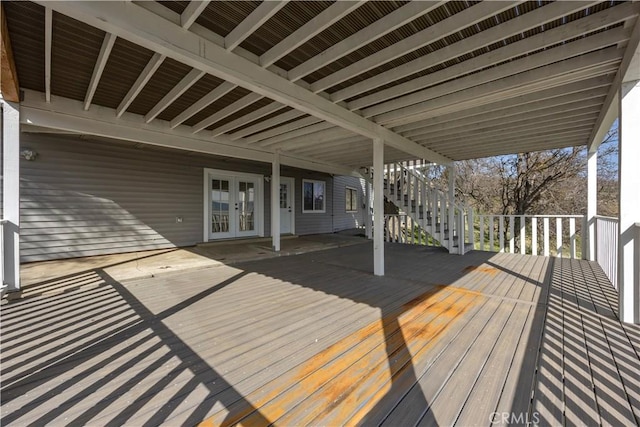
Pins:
x,y
440,81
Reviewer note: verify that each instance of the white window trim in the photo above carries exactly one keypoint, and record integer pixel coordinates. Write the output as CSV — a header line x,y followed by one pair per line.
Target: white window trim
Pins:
x,y
347,187
324,200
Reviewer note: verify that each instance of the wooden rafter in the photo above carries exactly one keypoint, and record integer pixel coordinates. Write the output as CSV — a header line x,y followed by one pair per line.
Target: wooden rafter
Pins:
x,y
9,86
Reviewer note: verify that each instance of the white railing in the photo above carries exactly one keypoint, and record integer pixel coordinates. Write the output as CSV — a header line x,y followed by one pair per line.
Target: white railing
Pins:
x,y
606,246
3,287
548,235
426,212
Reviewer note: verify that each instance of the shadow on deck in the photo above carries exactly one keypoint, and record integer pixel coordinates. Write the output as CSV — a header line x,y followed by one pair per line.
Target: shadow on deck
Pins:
x,y
316,339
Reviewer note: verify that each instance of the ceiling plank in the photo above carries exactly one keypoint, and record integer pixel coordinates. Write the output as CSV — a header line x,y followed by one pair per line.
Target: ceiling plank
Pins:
x,y
543,99
563,70
192,11
319,23
226,111
48,36
146,74
522,23
255,20
610,108
218,92
437,31
142,27
103,57
248,118
187,81
381,27
550,56
9,86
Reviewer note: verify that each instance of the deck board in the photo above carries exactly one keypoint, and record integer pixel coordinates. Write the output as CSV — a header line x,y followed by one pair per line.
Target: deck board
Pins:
x,y
316,339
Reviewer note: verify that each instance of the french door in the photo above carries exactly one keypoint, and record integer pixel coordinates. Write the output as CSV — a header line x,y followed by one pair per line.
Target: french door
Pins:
x,y
232,205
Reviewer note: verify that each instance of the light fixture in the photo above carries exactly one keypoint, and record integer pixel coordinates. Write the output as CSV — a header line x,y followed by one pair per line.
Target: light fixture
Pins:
x,y
28,154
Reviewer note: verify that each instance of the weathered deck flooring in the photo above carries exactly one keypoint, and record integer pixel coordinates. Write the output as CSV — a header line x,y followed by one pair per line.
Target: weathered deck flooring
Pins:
x,y
316,339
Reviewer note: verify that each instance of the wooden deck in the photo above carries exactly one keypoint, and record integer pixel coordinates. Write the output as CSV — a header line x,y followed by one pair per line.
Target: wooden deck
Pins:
x,y
315,339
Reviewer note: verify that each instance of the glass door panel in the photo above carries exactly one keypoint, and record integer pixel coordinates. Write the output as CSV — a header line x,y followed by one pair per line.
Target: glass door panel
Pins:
x,y
220,208
246,204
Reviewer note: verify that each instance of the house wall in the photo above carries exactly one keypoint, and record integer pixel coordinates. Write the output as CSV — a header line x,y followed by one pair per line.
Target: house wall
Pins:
x,y
84,197
343,220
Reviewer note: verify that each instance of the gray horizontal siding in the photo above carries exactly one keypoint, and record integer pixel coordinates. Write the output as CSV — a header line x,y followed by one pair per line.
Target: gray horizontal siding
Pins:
x,y
82,197
343,220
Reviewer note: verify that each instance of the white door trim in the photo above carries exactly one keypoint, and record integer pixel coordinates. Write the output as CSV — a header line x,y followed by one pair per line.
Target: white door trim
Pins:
x,y
207,172
292,190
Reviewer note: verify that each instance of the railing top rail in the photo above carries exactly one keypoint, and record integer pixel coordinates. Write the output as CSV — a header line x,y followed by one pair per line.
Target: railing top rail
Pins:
x,y
606,218
534,216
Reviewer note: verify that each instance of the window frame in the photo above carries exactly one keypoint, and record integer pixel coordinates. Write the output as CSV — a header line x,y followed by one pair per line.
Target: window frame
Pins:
x,y
314,182
347,199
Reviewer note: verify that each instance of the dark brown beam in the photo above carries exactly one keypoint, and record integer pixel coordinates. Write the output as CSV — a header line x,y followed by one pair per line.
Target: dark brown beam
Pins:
x,y
9,87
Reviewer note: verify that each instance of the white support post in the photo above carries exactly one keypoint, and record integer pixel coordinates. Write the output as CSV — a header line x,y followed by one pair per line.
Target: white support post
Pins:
x,y
451,220
275,202
378,207
367,213
592,204
629,182
11,194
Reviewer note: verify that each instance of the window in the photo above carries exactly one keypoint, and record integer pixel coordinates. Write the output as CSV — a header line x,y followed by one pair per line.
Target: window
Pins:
x,y
313,196
351,199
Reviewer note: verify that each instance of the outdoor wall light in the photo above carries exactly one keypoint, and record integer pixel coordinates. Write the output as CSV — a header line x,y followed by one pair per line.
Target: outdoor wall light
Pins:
x,y
28,155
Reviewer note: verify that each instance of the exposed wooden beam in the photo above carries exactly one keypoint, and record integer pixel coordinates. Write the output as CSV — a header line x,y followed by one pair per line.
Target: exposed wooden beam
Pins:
x,y
511,146
153,32
191,13
281,130
437,31
325,146
514,26
539,118
218,92
187,81
564,70
103,57
548,98
68,115
504,149
226,111
389,23
610,108
314,138
508,70
9,86
319,23
48,36
255,20
241,121
146,74
266,124
294,135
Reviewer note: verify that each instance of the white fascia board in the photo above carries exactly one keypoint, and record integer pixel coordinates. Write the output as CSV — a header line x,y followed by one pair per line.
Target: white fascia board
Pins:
x,y
65,114
610,111
514,26
437,31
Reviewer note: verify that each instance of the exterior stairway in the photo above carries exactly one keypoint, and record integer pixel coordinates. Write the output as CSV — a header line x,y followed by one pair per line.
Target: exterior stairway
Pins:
x,y
425,210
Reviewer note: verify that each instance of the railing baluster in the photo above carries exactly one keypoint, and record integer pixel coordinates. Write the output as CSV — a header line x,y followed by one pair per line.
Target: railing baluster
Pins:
x,y
491,233
546,236
572,237
501,231
482,232
471,227
559,237
523,248
534,236
512,245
